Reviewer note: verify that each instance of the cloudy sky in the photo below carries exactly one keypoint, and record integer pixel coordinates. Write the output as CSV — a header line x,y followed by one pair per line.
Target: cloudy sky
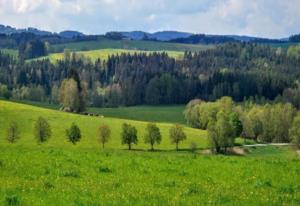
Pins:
x,y
266,18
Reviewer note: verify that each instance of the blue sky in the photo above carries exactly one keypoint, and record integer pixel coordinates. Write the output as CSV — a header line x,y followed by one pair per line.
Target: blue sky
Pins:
x,y
266,18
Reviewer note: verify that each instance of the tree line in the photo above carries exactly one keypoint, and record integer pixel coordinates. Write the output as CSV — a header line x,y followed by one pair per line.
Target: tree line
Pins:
x,y
239,70
225,120
129,136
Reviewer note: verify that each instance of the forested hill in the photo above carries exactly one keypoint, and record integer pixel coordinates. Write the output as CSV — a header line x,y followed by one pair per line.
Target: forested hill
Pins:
x,y
239,70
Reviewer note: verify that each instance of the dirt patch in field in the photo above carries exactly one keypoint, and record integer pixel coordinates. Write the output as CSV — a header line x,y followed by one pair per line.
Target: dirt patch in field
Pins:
x,y
232,151
298,152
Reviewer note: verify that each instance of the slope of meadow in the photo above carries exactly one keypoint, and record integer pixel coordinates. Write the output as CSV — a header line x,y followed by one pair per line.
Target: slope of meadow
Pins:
x,y
25,115
59,173
103,43
103,54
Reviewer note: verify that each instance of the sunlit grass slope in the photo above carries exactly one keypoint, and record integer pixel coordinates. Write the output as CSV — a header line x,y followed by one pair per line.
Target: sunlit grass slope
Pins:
x,y
25,115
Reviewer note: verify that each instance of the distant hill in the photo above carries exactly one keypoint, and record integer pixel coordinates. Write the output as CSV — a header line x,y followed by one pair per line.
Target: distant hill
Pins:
x,y
12,30
160,36
70,34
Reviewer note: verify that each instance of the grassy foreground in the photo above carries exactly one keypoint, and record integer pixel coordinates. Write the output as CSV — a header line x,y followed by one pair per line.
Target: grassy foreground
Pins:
x,y
59,173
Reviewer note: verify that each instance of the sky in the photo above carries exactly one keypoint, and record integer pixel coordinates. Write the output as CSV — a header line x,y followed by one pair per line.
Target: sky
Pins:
x,y
264,18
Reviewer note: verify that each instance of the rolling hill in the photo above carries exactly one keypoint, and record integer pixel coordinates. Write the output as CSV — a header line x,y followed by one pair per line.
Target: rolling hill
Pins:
x,y
60,173
103,54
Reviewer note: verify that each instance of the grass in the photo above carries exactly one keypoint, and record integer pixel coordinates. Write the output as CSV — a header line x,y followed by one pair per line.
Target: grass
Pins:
x,y
103,43
59,173
60,121
171,114
103,54
165,114
43,175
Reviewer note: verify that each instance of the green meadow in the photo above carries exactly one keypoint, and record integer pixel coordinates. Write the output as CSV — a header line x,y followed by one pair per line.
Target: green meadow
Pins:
x,y
60,173
103,43
103,54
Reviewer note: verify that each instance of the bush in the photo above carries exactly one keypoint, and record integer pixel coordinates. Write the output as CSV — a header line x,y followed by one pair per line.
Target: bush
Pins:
x,y
73,134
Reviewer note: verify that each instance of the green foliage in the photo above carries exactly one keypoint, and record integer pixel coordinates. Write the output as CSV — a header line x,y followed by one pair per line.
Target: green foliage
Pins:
x,y
104,134
177,135
73,94
294,131
129,135
153,135
13,132
221,133
73,133
4,92
42,130
236,124
192,114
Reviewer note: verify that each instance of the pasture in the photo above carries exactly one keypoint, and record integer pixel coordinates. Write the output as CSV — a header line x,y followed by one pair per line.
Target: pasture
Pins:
x,y
59,173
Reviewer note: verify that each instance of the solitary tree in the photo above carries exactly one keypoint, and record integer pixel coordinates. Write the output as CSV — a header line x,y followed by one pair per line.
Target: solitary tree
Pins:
x,y
73,134
104,134
153,135
294,131
42,130
129,135
73,93
177,135
13,132
221,133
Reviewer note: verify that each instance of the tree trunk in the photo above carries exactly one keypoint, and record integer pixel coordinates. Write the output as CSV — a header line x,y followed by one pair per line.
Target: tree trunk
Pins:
x,y
152,147
103,145
129,146
176,146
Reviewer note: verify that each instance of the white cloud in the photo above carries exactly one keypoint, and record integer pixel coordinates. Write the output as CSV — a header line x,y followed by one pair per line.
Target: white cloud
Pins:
x,y
270,18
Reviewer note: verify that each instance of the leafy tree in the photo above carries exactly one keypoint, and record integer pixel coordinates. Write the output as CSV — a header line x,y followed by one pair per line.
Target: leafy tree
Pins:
x,y
153,135
42,130
192,114
4,92
104,134
294,131
255,119
69,96
13,133
236,124
73,93
73,133
177,135
129,135
221,132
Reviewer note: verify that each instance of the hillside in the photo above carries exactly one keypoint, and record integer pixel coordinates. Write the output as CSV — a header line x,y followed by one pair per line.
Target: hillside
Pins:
x,y
104,43
59,173
103,54
25,115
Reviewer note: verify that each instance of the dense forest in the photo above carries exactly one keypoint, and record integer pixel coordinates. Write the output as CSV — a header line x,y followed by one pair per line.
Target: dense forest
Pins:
x,y
239,70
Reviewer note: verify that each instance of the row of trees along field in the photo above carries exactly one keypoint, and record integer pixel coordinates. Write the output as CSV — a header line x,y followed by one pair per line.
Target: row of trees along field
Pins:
x,y
239,70
129,136
226,120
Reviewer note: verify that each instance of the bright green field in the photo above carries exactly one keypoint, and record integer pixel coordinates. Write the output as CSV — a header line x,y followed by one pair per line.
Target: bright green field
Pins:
x,y
103,54
165,114
103,43
25,115
59,173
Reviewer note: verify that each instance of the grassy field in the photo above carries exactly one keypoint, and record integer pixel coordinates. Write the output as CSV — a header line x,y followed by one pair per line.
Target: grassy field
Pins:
x,y
60,121
171,114
103,43
166,114
103,54
59,173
